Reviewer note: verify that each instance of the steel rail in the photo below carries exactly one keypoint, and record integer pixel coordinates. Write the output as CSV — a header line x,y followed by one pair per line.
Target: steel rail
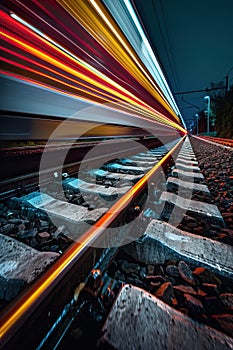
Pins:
x,y
31,179
216,141
20,309
223,141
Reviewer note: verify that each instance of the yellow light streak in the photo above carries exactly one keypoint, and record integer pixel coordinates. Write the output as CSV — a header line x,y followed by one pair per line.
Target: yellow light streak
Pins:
x,y
60,81
156,115
94,17
61,50
62,66
117,106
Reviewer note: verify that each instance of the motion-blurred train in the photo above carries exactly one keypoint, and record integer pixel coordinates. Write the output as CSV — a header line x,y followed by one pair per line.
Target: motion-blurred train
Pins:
x,y
26,126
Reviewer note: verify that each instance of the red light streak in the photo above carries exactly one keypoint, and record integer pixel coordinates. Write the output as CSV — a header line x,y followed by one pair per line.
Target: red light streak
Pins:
x,y
67,68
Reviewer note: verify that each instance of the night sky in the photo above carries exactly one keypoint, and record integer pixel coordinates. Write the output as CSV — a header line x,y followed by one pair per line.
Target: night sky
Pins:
x,y
194,43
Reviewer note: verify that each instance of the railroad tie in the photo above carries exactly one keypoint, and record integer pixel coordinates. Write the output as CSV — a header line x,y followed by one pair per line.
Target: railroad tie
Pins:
x,y
192,205
141,319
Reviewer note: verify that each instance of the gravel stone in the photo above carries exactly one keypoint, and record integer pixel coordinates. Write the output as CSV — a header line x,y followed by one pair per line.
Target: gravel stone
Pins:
x,y
206,276
186,272
165,292
193,304
227,299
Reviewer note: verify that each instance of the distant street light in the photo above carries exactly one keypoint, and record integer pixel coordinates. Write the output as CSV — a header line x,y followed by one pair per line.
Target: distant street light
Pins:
x,y
196,115
208,114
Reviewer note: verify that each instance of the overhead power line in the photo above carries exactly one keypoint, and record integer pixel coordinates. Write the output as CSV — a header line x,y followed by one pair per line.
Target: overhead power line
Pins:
x,y
192,91
165,45
189,103
208,89
169,43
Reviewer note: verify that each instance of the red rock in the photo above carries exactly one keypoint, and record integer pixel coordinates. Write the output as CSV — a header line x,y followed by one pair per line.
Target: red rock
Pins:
x,y
184,289
201,293
198,270
43,236
227,231
165,292
222,235
227,215
209,288
174,302
225,322
186,273
226,299
206,276
193,304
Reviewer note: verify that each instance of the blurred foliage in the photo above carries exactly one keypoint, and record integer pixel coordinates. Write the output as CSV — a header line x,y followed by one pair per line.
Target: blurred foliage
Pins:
x,y
221,115
202,122
224,114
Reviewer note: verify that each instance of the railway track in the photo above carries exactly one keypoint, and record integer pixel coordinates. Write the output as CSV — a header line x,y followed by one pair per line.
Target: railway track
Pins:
x,y
221,141
163,245
22,164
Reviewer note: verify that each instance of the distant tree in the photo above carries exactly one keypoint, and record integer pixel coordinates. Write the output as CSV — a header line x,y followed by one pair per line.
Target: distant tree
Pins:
x,y
202,124
223,105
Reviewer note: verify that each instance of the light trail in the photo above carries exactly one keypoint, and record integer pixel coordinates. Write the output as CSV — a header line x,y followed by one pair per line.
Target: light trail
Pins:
x,y
102,27
91,78
57,66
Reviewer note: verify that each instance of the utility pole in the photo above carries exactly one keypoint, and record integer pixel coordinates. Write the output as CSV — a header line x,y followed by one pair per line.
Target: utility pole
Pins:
x,y
208,113
197,121
226,85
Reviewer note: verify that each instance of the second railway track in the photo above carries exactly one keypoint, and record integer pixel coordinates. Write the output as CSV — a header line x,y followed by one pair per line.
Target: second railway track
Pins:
x,y
166,237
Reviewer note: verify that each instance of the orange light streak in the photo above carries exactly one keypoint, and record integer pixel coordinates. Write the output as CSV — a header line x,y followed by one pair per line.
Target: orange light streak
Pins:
x,y
61,66
129,98
113,105
94,17
14,63
78,62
